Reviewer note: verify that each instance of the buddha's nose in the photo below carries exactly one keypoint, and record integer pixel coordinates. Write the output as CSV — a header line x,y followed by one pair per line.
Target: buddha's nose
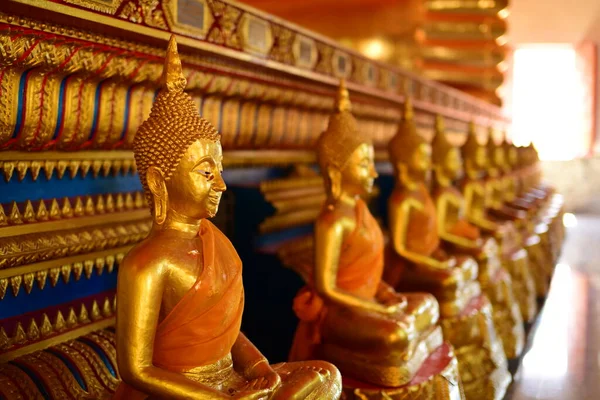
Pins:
x,y
220,185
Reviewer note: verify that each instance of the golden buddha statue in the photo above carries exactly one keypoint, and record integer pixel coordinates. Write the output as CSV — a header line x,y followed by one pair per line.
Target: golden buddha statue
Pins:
x,y
420,263
518,228
378,338
180,290
462,226
506,206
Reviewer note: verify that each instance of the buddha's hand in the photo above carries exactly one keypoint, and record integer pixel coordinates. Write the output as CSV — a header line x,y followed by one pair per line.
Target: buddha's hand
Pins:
x,y
262,377
251,395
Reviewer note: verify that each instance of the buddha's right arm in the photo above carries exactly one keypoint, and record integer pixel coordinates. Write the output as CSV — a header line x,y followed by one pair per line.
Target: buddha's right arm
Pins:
x,y
444,202
329,237
399,216
476,215
139,291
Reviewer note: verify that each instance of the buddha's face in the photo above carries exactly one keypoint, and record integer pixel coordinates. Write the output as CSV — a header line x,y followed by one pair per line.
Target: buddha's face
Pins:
x,y
499,156
420,162
481,161
358,175
513,156
196,186
453,166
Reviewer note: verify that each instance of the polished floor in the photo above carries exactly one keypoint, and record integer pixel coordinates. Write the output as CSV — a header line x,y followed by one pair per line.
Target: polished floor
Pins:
x,y
562,360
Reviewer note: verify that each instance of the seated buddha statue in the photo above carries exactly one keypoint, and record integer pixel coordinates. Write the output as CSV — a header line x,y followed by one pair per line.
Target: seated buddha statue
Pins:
x,y
180,290
506,206
521,227
419,262
378,338
464,226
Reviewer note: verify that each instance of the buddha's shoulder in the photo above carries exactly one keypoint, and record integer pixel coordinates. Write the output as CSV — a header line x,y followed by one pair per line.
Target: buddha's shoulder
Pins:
x,y
151,254
338,217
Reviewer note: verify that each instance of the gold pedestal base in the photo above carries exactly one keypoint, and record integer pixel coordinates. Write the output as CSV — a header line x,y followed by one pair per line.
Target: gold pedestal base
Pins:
x,y
481,359
505,309
517,265
437,379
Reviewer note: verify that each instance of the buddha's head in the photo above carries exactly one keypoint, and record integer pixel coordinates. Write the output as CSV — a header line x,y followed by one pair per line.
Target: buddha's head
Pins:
x,y
495,151
345,154
446,158
473,153
178,153
409,152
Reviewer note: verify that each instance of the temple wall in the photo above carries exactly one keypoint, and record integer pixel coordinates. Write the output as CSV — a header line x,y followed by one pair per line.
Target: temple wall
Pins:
x,y
579,182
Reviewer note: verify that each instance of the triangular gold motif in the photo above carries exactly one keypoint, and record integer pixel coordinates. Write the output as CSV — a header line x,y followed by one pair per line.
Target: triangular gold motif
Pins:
x,y
116,167
42,212
85,167
120,203
54,275
15,214
49,168
96,166
46,328
100,207
29,213
28,279
61,167
77,270
19,337
96,315
33,332
65,272
22,167
110,263
71,318
89,206
59,323
4,340
3,287
15,283
129,201
106,167
106,308
35,168
74,168
110,203
67,209
3,219
127,164
8,168
140,201
40,277
99,265
54,210
84,317
88,267
78,210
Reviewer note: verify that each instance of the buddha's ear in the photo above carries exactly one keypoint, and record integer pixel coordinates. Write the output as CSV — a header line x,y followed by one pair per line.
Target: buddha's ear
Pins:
x,y
156,183
335,179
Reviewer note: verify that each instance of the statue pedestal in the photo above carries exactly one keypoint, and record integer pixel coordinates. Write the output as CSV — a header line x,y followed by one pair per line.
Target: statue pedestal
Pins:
x,y
437,379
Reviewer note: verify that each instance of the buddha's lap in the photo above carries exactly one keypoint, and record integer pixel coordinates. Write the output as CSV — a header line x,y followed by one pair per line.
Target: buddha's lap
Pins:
x,y
348,328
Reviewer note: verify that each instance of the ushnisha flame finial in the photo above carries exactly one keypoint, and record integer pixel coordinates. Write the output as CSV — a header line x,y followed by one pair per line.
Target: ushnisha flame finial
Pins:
x,y
172,78
409,112
440,146
342,101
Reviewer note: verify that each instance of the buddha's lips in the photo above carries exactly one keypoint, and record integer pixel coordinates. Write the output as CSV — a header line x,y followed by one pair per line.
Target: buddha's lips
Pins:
x,y
215,198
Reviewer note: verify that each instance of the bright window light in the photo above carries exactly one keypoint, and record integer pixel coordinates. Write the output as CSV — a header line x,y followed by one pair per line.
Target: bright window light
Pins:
x,y
549,101
569,220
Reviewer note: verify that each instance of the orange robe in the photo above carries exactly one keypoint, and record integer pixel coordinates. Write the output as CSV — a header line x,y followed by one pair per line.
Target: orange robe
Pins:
x,y
202,328
359,273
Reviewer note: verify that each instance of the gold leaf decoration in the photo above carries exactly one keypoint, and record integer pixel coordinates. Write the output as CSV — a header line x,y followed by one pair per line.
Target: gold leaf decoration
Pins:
x,y
5,342
33,332
96,315
19,337
42,212
46,328
71,318
59,323
35,168
28,281
15,215
29,213
22,167
8,168
3,287
84,317
15,283
40,277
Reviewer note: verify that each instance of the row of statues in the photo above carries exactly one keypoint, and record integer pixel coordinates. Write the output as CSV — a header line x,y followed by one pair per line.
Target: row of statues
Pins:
x,y
433,315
